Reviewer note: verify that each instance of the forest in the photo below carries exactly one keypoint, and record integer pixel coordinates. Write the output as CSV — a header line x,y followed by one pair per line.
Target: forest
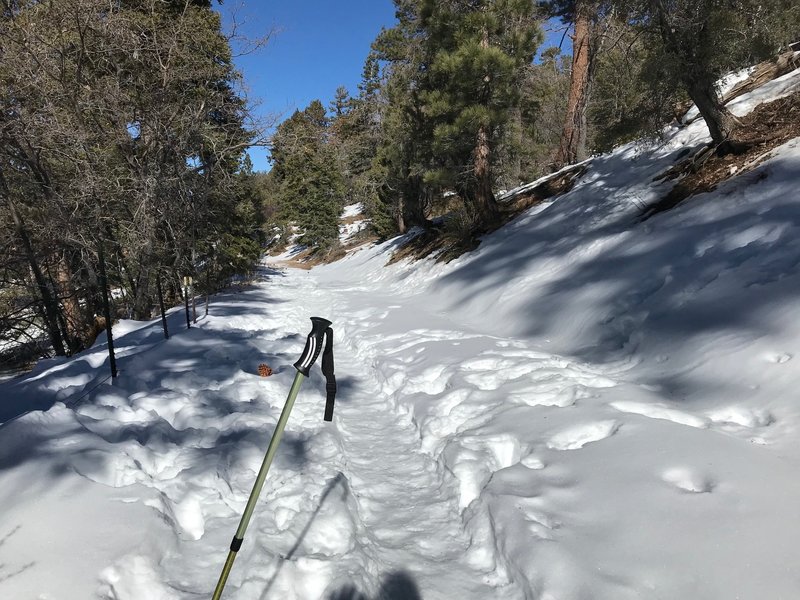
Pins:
x,y
459,100
124,132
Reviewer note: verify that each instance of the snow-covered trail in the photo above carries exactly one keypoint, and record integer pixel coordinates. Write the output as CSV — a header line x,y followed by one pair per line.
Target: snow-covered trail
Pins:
x,y
405,505
421,440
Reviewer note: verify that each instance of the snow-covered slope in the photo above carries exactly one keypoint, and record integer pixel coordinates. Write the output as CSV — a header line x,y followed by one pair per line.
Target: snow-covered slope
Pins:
x,y
587,407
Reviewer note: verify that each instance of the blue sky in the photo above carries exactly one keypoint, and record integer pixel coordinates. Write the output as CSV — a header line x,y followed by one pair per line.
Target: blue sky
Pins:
x,y
316,47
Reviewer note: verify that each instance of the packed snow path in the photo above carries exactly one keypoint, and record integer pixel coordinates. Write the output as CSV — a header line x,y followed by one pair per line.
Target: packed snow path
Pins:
x,y
405,531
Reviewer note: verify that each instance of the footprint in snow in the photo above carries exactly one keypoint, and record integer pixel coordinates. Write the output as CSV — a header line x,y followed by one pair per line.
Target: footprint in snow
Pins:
x,y
577,437
778,358
741,417
432,381
656,410
687,480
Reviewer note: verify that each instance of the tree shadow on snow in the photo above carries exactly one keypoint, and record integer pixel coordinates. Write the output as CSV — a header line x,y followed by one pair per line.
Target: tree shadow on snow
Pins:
x,y
719,266
397,585
340,481
186,349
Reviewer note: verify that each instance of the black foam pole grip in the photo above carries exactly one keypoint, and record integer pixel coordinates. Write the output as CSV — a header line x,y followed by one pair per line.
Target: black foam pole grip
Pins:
x,y
314,345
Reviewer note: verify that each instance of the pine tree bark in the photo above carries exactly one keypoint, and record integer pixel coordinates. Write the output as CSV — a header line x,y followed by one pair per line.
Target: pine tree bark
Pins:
x,y
400,217
720,121
484,199
572,148
75,325
485,202
414,204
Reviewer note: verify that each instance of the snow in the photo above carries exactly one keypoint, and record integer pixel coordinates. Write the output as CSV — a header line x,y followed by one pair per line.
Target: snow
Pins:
x,y
587,406
352,210
724,85
348,230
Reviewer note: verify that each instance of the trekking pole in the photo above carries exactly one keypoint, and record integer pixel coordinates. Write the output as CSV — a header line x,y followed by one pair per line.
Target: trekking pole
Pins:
x,y
320,331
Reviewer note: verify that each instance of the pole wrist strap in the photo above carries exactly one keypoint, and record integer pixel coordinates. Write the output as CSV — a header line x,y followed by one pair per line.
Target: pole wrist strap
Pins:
x,y
321,333
330,378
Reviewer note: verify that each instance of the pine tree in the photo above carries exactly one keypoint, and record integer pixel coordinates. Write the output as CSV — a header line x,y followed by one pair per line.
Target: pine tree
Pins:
x,y
694,42
310,188
589,21
404,153
479,51
541,114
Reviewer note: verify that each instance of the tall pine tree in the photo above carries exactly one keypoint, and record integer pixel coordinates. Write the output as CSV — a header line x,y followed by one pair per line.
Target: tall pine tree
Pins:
x,y
310,187
479,50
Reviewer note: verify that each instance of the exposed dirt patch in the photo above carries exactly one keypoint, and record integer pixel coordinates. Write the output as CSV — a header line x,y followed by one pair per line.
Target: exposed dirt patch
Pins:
x,y
312,257
352,219
453,235
438,241
765,128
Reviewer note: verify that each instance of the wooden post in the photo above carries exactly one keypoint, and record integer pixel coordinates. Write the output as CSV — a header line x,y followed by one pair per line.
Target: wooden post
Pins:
x,y
194,304
208,287
112,359
186,301
161,304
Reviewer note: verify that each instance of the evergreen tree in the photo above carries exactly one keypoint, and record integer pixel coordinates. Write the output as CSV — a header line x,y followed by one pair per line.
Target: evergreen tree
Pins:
x,y
309,185
692,43
404,151
479,50
630,95
541,113
589,20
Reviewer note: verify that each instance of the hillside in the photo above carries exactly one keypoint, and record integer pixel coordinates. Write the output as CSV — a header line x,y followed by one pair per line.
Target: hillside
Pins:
x,y
589,405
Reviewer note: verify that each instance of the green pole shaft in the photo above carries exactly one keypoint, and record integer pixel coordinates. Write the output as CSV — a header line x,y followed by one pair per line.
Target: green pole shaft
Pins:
x,y
260,478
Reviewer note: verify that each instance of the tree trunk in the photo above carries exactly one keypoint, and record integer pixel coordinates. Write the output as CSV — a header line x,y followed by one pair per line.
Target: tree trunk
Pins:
x,y
484,199
101,263
697,79
720,120
48,299
75,325
572,148
414,209
161,305
400,217
141,300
